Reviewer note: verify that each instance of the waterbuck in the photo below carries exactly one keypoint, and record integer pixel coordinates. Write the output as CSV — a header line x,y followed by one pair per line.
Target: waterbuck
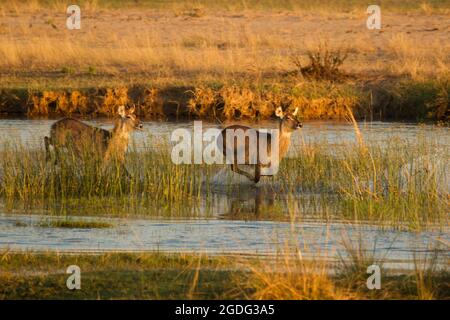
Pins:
x,y
247,145
86,140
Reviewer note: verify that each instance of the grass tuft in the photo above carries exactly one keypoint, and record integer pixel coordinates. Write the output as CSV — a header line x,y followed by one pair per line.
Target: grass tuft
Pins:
x,y
75,224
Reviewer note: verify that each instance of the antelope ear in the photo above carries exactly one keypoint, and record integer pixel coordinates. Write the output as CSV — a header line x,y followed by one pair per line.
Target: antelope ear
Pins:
x,y
295,112
279,113
132,110
121,111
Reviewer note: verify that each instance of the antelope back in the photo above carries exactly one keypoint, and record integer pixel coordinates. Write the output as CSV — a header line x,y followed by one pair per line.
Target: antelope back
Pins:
x,y
242,143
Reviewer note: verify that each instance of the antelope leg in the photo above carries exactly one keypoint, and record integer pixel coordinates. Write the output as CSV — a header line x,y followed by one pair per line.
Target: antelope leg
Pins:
x,y
47,148
235,168
57,153
257,172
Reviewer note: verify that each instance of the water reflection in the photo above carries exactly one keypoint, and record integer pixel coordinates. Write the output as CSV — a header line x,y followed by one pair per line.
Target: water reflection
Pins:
x,y
249,204
267,201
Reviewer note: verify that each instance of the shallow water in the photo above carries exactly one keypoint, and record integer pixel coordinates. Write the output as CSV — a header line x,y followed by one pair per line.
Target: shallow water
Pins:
x,y
30,133
396,249
234,223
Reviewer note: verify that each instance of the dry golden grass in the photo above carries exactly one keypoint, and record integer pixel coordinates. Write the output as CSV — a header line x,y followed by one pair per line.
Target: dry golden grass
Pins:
x,y
197,8
237,62
233,102
290,277
28,275
416,61
220,44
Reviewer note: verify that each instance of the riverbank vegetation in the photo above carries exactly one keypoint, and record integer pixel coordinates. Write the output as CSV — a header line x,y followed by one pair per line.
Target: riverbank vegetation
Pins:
x,y
226,59
29,275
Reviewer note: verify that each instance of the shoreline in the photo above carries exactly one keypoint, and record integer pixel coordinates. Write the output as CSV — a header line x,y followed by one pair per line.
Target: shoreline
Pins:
x,y
390,101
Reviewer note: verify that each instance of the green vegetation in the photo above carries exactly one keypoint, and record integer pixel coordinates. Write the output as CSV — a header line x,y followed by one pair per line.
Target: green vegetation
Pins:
x,y
178,276
67,70
397,183
425,99
320,89
77,224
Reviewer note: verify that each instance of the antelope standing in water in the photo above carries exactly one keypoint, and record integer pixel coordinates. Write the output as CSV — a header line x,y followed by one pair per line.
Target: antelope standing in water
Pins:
x,y
85,140
287,124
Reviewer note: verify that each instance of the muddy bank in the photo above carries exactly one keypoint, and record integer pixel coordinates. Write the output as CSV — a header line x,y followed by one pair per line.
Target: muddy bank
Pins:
x,y
424,101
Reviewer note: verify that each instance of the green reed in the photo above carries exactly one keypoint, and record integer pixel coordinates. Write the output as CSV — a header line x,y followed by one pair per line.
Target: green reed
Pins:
x,y
397,183
147,179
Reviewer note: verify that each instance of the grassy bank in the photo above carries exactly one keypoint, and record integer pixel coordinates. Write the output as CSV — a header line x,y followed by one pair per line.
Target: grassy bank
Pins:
x,y
425,100
162,276
226,59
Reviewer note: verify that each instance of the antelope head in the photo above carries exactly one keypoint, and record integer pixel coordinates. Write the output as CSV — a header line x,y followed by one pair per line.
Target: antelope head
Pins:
x,y
128,120
289,121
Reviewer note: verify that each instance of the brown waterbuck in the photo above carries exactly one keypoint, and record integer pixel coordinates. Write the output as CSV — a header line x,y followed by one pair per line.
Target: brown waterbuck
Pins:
x,y
263,150
86,140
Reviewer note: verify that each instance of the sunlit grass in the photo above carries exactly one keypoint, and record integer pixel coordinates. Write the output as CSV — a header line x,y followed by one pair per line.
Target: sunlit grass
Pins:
x,y
428,7
29,275
387,74
396,183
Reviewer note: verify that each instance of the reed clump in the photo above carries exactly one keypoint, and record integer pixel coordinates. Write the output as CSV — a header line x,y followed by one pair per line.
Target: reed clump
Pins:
x,y
76,224
149,179
417,99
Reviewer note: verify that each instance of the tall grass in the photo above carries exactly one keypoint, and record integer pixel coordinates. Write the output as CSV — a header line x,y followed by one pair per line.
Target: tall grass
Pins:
x,y
150,179
292,279
290,276
396,183
246,102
